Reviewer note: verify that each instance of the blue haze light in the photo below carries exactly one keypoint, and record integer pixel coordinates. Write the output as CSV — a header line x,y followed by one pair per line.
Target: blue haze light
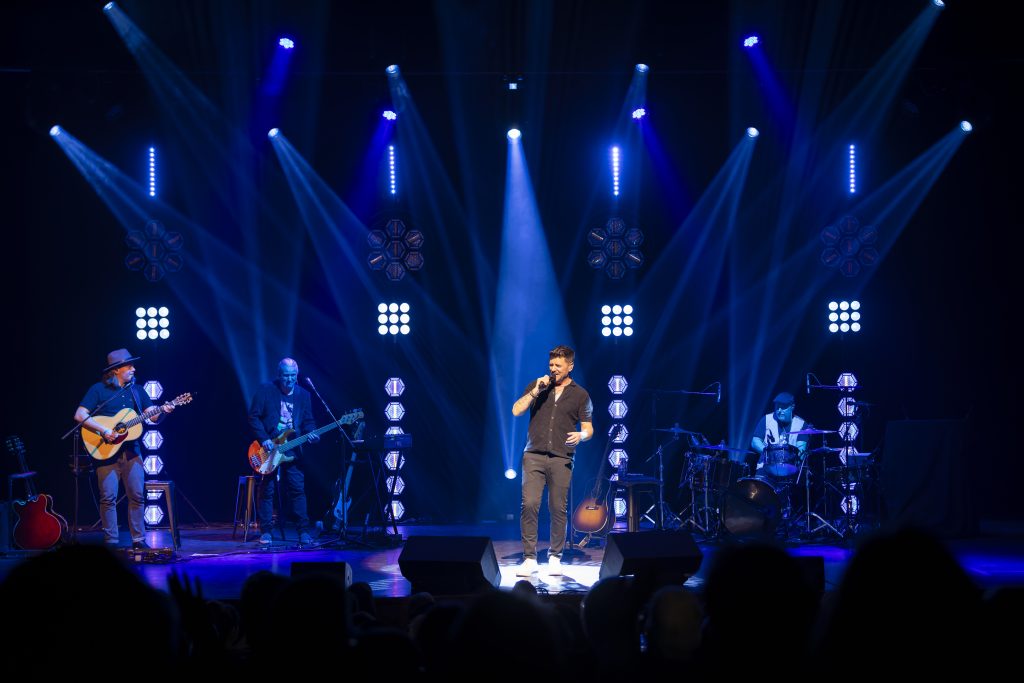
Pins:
x,y
616,167
642,68
853,169
390,115
751,41
55,131
753,132
514,134
966,126
392,70
286,43
391,167
272,133
152,172
639,113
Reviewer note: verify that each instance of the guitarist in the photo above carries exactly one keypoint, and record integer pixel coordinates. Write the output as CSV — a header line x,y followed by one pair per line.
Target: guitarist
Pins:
x,y
276,407
556,405
117,388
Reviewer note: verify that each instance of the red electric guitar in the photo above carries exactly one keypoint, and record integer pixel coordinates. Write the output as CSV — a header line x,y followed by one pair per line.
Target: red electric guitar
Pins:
x,y
38,527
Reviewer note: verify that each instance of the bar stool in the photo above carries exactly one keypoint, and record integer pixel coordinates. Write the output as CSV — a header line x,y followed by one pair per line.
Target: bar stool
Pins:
x,y
630,483
167,489
246,495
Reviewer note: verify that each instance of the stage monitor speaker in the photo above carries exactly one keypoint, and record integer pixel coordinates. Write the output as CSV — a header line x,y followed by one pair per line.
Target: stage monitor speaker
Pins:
x,y
666,557
343,570
449,565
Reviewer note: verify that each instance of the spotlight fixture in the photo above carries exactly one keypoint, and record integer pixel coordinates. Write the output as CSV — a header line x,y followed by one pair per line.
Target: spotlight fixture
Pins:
x,y
751,41
643,68
272,133
938,3
107,7
389,115
966,126
286,43
849,245
844,316
753,132
514,134
393,319
395,249
510,473
392,70
55,131
616,321
152,323
615,248
639,113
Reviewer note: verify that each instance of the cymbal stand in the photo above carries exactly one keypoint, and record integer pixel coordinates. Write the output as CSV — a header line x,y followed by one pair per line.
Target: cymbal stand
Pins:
x,y
822,523
704,518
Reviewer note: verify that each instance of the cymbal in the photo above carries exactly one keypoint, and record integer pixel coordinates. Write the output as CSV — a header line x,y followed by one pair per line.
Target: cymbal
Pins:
x,y
723,447
675,430
826,449
812,430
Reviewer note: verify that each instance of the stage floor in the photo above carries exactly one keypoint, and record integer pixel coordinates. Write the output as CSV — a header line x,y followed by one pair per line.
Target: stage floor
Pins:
x,y
222,563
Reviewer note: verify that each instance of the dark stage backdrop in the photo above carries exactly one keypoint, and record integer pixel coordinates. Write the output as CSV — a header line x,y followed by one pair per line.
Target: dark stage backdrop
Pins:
x,y
943,303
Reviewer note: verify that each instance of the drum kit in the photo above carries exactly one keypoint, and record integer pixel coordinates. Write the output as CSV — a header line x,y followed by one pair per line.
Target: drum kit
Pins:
x,y
730,496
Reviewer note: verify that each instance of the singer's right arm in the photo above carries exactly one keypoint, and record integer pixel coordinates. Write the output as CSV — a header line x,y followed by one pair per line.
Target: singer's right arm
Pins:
x,y
526,400
82,415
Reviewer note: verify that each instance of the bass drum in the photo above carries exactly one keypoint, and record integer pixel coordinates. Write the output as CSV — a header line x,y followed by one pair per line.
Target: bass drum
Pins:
x,y
751,507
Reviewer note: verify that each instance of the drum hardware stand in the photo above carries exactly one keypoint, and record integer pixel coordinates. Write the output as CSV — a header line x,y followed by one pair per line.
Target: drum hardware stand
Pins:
x,y
664,511
822,523
705,517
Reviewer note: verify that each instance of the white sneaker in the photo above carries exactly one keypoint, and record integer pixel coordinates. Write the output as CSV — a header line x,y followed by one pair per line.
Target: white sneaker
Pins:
x,y
554,565
528,567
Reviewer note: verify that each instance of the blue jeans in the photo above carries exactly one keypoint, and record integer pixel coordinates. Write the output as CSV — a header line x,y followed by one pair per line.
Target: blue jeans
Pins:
x,y
555,471
295,486
126,468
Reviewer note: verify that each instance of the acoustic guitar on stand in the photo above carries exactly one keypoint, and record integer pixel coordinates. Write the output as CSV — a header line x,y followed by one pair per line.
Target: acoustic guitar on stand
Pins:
x,y
38,527
592,515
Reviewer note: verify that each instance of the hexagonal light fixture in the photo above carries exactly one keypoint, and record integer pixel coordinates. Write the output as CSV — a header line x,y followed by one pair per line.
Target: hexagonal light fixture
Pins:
x,y
399,485
394,387
847,406
617,457
154,250
620,507
846,382
153,515
152,439
394,511
849,245
391,431
395,249
153,389
615,248
152,465
394,460
618,409
394,411
620,431
848,431
618,385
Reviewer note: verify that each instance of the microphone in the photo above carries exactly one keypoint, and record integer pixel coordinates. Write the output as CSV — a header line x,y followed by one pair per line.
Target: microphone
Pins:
x,y
309,381
808,384
718,396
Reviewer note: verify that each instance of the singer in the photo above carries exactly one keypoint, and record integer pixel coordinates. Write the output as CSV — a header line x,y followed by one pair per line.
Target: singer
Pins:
x,y
276,407
557,405
117,388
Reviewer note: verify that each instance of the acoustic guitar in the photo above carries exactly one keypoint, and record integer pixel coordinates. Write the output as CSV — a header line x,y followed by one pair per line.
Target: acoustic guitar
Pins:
x,y
591,516
265,462
126,425
37,527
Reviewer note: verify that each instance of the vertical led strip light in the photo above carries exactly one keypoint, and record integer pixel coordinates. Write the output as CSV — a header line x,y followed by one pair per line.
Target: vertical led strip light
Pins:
x,y
391,168
853,169
152,172
615,171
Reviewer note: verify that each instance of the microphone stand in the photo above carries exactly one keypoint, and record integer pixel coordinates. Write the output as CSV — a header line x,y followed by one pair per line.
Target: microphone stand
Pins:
x,y
343,537
75,468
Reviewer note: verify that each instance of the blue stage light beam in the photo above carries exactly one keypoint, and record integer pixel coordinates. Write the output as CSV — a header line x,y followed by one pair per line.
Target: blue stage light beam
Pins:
x,y
529,318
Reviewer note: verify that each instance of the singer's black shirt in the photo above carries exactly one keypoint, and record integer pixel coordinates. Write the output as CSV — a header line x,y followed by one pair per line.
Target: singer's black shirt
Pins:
x,y
551,420
133,397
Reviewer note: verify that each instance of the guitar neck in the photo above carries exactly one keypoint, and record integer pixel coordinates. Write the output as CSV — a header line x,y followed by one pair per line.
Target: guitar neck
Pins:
x,y
294,443
148,412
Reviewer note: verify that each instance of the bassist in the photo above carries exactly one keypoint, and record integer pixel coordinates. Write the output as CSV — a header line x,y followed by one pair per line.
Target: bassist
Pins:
x,y
278,406
115,392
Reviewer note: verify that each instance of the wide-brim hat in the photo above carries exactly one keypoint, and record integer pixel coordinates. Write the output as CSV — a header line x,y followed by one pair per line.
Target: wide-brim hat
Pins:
x,y
117,358
784,399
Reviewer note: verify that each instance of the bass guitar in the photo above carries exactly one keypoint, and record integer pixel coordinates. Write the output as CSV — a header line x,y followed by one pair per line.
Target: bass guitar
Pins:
x,y
591,516
37,527
126,425
265,462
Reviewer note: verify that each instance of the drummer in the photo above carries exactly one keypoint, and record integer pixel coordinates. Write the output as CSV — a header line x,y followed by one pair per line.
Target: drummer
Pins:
x,y
776,428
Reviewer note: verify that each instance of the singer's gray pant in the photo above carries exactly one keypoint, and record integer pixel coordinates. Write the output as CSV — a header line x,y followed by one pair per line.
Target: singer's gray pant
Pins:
x,y
126,467
555,471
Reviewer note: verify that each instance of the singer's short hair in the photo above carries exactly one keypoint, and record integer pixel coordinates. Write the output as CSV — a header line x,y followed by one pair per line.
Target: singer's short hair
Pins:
x,y
562,351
